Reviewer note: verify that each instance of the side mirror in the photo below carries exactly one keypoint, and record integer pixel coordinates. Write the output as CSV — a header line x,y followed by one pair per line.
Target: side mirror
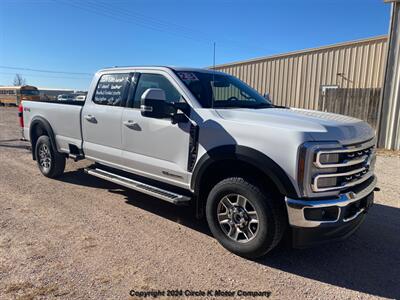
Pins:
x,y
153,104
267,97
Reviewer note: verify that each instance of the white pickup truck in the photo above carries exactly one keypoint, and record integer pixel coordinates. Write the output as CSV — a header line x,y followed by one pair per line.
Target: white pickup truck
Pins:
x,y
193,136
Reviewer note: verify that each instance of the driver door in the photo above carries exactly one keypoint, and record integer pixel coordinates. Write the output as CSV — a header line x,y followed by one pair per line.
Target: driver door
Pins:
x,y
152,147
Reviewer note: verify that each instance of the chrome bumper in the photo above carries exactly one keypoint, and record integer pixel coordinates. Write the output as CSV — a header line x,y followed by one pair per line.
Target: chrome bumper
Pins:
x,y
295,207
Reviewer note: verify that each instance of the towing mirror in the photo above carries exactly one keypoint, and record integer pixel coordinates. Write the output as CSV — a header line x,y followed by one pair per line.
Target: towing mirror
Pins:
x,y
153,104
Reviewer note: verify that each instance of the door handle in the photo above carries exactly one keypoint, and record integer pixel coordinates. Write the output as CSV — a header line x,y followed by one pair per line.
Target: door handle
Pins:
x,y
131,124
90,118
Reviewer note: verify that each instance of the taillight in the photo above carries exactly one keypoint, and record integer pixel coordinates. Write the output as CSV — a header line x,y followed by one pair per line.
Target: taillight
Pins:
x,y
20,115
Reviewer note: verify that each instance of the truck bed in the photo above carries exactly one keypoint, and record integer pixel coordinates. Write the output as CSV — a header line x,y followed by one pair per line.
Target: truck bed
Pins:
x,y
64,118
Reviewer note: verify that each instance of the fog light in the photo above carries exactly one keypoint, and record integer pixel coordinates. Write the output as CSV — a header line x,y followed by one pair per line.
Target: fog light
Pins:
x,y
324,182
321,214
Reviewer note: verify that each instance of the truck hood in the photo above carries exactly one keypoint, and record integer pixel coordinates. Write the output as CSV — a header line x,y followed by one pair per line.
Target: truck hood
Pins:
x,y
321,126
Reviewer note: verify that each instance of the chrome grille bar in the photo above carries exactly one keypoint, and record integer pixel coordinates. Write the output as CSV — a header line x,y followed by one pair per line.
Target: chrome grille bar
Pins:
x,y
346,163
343,185
359,152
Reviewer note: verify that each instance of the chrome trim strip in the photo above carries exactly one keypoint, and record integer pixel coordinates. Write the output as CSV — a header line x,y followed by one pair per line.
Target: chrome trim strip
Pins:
x,y
295,207
342,174
346,163
355,215
315,187
347,185
348,149
146,108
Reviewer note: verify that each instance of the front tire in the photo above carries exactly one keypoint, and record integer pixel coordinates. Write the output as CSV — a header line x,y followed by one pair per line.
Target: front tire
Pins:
x,y
244,218
51,163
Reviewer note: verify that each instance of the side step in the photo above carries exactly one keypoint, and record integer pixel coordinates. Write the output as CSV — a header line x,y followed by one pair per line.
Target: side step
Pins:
x,y
140,187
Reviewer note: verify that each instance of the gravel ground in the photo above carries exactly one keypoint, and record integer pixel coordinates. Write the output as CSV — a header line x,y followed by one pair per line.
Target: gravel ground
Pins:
x,y
81,237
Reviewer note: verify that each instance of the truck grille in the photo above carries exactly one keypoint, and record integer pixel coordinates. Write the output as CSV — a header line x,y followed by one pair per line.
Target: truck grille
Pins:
x,y
342,168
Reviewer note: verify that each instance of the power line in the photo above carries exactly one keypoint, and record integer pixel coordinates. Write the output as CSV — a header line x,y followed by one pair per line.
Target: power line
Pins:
x,y
190,31
148,22
146,18
100,11
44,76
45,71
113,12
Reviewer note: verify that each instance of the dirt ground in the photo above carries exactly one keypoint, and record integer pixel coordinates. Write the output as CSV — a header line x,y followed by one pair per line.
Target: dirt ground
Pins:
x,y
83,238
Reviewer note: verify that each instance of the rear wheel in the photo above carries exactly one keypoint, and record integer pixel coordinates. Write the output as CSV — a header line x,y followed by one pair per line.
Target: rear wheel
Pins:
x,y
50,162
245,219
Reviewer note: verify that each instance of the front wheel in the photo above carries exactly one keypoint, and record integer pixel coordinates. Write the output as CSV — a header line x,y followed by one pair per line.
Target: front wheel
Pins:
x,y
50,162
245,219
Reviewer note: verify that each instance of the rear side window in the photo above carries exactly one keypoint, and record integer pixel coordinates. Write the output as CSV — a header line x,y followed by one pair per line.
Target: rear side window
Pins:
x,y
147,81
111,89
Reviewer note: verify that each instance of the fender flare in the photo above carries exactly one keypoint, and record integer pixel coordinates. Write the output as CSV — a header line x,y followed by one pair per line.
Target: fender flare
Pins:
x,y
40,121
248,155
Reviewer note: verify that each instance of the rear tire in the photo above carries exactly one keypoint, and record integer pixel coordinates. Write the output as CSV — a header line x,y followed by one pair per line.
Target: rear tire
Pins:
x,y
244,218
51,163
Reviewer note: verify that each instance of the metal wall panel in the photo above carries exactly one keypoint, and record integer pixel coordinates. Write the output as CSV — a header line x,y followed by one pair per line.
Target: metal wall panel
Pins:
x,y
295,79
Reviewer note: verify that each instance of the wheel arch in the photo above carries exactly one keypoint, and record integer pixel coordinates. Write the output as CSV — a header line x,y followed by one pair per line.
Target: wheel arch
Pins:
x,y
242,158
40,126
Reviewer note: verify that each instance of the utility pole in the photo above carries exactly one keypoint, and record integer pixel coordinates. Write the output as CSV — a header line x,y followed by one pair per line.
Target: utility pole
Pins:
x,y
389,117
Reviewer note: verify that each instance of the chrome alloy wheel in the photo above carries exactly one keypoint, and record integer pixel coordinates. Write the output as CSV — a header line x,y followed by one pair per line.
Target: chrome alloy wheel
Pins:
x,y
44,157
238,218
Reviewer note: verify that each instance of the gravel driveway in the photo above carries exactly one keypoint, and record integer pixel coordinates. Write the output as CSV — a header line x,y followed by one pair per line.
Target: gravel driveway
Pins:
x,y
82,237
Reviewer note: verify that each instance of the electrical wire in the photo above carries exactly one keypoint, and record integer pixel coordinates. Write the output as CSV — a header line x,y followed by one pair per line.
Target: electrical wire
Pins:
x,y
117,17
44,71
44,76
113,12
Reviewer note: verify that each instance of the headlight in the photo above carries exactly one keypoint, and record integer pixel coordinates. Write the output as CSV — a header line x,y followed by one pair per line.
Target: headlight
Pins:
x,y
329,158
308,169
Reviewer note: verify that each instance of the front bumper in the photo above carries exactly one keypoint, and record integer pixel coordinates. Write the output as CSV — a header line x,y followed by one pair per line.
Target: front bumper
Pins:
x,y
318,221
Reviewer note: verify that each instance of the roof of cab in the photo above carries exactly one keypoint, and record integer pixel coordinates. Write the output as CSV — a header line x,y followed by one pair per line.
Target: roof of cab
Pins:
x,y
178,69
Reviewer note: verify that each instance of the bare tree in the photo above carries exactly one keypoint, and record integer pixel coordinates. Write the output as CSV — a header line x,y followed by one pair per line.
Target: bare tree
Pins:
x,y
19,80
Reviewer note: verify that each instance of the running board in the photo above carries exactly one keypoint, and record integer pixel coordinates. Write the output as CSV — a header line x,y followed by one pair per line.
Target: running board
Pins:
x,y
139,186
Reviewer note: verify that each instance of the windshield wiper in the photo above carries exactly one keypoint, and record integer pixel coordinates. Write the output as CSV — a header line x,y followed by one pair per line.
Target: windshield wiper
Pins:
x,y
280,106
262,105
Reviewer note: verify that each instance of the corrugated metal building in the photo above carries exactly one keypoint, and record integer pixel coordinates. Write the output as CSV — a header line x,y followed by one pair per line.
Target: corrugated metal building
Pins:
x,y
296,79
345,78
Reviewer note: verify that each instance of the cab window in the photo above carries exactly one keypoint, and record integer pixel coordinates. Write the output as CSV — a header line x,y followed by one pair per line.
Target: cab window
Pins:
x,y
111,89
147,81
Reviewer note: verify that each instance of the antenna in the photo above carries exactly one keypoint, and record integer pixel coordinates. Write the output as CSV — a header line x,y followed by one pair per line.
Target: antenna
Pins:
x,y
214,58
212,99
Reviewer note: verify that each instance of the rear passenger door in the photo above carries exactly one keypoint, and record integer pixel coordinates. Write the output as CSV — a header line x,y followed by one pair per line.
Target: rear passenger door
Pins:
x,y
101,119
155,148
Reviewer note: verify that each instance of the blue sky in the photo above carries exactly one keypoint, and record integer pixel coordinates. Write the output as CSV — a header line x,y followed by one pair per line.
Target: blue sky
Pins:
x,y
84,36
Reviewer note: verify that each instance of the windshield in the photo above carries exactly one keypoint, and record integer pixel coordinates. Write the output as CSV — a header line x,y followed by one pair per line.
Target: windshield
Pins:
x,y
29,92
222,91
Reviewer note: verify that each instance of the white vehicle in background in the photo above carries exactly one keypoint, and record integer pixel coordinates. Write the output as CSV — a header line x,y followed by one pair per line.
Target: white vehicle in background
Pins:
x,y
205,138
65,97
80,98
